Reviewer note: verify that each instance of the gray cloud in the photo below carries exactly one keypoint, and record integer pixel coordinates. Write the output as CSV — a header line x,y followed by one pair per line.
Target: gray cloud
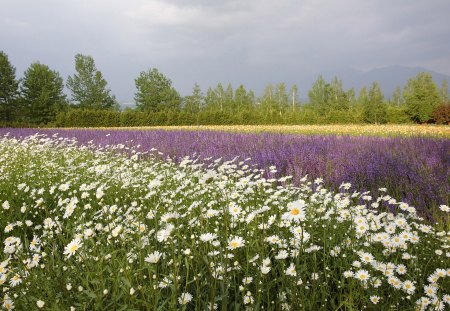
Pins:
x,y
253,42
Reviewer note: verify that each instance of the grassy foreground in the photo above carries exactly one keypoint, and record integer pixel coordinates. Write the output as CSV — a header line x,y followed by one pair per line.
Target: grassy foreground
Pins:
x,y
86,228
384,130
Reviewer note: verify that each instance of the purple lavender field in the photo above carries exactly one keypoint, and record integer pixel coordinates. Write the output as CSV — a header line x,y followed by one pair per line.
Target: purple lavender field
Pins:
x,y
414,170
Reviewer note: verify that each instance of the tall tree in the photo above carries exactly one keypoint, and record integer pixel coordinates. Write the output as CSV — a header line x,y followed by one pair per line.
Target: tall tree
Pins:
x,y
374,110
42,94
325,97
229,98
8,89
241,100
351,96
281,98
397,98
362,98
337,98
210,99
444,91
88,87
421,97
317,94
267,102
155,92
215,98
194,103
293,97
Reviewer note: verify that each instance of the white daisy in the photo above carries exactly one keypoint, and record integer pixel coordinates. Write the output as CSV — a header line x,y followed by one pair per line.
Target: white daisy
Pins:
x,y
72,247
153,257
185,298
235,242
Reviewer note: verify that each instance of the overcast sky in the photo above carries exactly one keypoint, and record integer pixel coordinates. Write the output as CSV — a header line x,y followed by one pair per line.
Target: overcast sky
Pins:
x,y
253,42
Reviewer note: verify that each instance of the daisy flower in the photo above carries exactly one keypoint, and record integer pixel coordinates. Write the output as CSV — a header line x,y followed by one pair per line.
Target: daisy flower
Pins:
x,y
291,270
409,287
235,242
185,298
366,257
430,290
248,298
265,269
444,208
72,247
15,280
375,299
362,275
153,257
296,211
401,269
234,209
395,282
207,237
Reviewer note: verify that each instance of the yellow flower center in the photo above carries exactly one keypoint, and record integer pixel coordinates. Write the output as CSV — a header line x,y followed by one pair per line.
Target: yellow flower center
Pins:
x,y
295,211
234,244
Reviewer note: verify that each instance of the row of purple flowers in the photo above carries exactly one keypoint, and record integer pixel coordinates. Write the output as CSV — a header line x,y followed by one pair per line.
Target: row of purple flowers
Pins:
x,y
414,170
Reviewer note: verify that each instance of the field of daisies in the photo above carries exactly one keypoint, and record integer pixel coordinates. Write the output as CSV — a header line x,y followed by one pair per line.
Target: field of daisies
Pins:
x,y
112,227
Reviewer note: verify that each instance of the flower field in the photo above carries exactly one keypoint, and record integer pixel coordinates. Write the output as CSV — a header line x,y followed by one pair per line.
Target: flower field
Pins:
x,y
105,222
413,169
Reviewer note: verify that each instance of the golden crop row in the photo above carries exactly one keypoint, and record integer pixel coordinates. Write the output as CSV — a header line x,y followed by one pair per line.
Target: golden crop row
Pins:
x,y
438,131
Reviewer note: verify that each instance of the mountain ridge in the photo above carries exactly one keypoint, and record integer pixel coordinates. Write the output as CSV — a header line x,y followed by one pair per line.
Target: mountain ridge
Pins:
x,y
388,77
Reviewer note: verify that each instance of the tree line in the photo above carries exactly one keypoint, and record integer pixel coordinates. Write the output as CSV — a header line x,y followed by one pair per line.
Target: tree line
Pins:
x,y
38,99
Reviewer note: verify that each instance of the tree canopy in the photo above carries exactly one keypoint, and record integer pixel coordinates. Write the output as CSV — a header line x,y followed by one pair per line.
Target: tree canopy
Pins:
x,y
89,88
155,92
374,109
421,97
42,94
8,89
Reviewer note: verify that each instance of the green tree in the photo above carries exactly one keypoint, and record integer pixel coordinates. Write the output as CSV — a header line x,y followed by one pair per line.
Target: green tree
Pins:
x,y
397,98
328,98
444,91
8,90
267,103
362,98
88,87
374,110
317,95
241,100
337,98
210,99
42,94
281,98
351,96
229,98
215,98
194,103
155,92
421,97
293,97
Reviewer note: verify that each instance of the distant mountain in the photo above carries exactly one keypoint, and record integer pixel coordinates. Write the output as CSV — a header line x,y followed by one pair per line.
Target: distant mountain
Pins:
x,y
387,77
